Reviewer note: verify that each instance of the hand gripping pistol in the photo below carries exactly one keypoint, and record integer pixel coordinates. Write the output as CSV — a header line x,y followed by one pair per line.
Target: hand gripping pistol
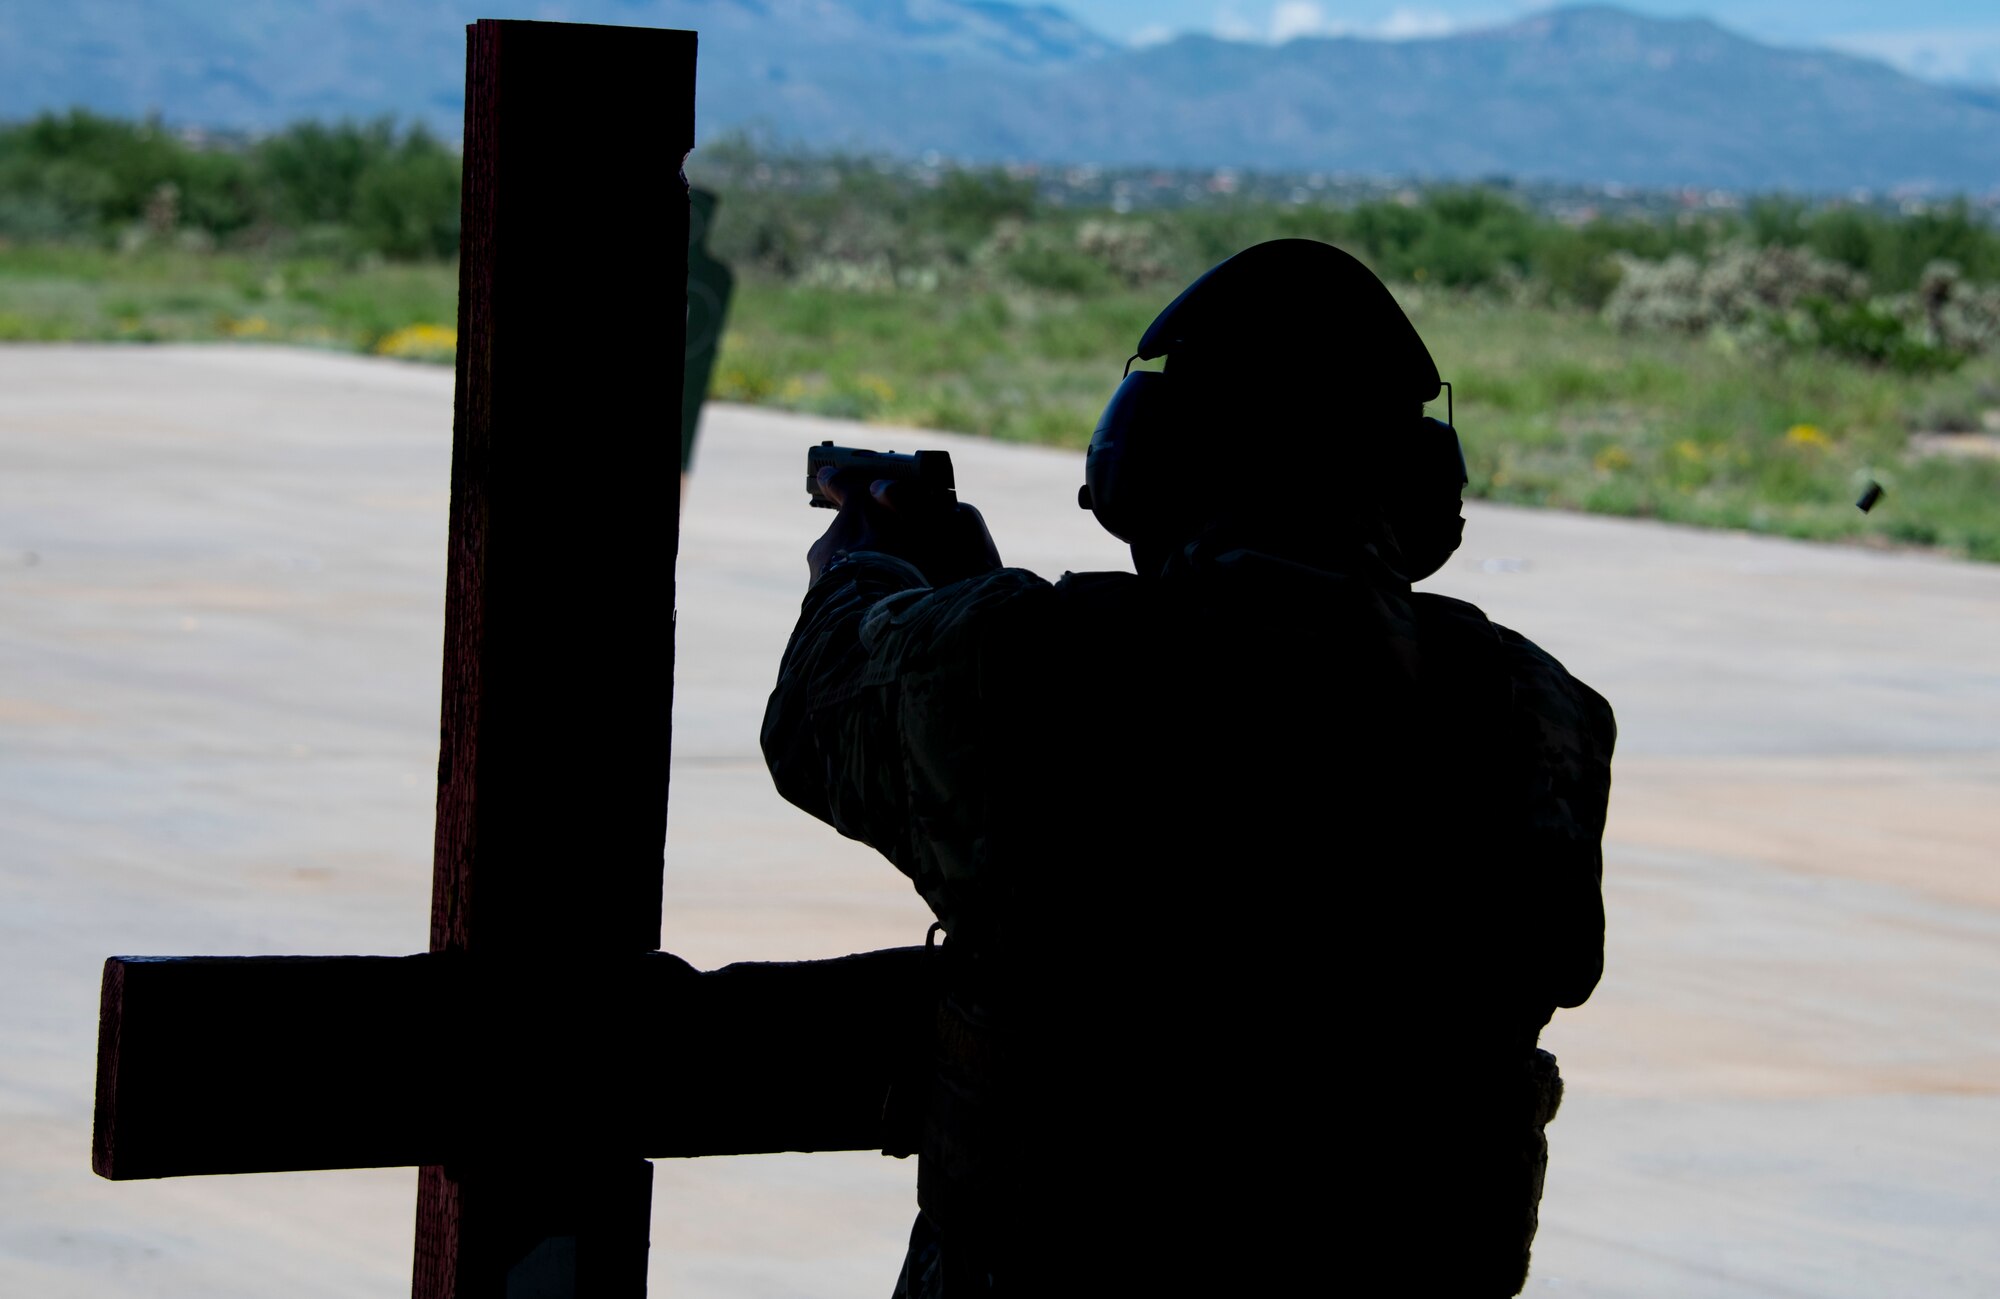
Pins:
x,y
930,468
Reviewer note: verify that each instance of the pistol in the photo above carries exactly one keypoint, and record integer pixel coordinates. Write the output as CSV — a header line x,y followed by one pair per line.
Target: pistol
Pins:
x,y
931,468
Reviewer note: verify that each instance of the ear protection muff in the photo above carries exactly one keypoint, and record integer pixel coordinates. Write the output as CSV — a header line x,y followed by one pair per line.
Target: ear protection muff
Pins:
x,y
1252,324
1434,459
1423,498
1129,472
1141,459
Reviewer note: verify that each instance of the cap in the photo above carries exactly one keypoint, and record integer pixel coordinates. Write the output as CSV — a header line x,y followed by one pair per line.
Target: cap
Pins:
x,y
1300,297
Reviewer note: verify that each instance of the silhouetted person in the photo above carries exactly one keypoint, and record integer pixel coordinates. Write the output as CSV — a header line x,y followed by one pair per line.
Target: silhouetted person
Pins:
x,y
1259,874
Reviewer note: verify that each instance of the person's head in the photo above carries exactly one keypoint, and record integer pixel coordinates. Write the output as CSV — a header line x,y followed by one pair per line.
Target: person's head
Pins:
x,y
1292,397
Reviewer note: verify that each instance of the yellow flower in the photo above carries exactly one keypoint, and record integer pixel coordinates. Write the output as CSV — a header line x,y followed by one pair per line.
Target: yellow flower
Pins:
x,y
1807,435
876,384
247,327
1612,458
1688,449
420,342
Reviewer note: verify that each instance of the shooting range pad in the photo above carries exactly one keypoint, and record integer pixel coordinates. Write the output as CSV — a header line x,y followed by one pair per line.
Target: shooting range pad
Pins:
x,y
221,582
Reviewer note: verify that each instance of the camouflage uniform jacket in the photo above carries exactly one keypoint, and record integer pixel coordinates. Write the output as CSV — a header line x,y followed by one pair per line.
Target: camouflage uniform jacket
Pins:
x,y
1173,824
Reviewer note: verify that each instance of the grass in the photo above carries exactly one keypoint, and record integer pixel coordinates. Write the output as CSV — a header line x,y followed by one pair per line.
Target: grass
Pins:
x,y
1557,408
64,293
1019,365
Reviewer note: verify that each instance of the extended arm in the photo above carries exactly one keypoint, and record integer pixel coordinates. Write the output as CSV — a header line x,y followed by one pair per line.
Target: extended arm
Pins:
x,y
830,726
875,723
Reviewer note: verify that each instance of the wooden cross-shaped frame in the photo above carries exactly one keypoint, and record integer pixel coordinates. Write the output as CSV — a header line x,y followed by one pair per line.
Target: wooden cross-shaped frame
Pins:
x,y
542,1050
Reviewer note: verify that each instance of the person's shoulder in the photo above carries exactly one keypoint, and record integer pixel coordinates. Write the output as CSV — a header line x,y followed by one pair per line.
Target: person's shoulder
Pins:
x,y
1555,694
1003,587
1442,614
1539,666
1113,585
955,607
1095,605
1444,611
1540,680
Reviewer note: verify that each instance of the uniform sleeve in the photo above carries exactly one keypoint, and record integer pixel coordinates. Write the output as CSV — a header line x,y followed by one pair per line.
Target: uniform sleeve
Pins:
x,y
823,667
1570,730
878,725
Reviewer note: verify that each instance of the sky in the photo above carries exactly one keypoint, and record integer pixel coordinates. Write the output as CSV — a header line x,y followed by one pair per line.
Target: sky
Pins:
x,y
1952,40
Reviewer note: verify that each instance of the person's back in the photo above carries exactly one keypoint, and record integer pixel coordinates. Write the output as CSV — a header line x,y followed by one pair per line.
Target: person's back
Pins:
x,y
1254,903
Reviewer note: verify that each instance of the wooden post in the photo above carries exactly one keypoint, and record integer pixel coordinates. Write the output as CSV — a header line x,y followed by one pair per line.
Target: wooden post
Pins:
x,y
558,674
534,1058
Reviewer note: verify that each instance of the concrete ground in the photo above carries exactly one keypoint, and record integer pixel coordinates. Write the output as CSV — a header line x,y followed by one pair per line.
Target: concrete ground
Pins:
x,y
220,613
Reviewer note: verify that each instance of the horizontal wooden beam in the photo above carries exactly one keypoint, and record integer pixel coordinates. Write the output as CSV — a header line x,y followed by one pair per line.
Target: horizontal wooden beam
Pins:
x,y
275,1063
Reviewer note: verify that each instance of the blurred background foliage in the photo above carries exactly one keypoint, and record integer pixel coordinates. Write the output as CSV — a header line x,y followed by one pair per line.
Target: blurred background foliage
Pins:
x,y
1747,364
347,189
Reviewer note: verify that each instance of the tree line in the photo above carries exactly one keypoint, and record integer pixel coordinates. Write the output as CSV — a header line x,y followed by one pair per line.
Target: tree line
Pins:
x,y
374,188
346,188
792,215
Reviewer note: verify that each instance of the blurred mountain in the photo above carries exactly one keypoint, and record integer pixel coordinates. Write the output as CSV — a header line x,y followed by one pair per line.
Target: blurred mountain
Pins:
x,y
1590,94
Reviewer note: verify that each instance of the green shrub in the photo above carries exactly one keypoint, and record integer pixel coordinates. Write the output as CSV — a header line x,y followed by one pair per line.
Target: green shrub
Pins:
x,y
405,203
348,187
314,169
1056,269
1871,332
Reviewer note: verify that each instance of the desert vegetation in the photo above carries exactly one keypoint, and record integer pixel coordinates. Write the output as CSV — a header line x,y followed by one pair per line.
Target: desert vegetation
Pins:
x,y
1734,363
